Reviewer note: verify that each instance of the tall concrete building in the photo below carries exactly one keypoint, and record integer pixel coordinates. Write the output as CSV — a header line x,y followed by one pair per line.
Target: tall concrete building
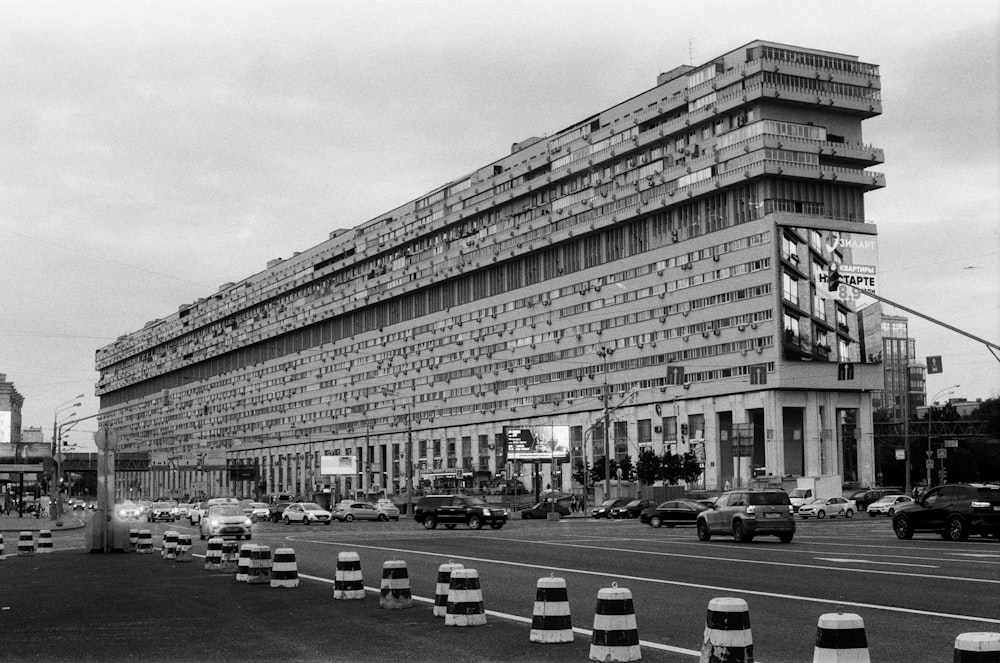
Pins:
x,y
904,376
660,265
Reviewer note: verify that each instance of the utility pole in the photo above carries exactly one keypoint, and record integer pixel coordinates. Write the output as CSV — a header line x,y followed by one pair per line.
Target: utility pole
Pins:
x,y
604,353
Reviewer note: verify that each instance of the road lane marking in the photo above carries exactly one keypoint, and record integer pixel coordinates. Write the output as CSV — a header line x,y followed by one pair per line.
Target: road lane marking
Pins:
x,y
691,585
989,555
846,560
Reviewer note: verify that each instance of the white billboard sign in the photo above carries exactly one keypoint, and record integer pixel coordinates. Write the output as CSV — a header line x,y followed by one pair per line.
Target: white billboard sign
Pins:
x,y
854,258
338,465
214,460
536,442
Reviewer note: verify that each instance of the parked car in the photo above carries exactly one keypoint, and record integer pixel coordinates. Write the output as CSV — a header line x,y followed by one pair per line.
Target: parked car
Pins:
x,y
955,511
258,511
672,513
821,507
887,505
631,509
307,513
346,512
224,520
541,511
603,510
181,510
389,508
452,510
161,511
749,513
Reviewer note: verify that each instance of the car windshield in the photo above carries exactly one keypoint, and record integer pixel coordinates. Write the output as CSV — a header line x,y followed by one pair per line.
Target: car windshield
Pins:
x,y
227,510
476,500
775,498
312,506
989,494
257,505
164,505
633,503
607,503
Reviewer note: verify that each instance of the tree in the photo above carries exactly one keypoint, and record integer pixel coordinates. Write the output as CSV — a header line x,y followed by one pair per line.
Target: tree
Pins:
x,y
581,472
647,469
675,468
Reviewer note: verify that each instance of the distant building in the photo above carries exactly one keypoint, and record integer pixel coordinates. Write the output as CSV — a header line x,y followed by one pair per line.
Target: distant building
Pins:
x,y
11,403
904,376
650,277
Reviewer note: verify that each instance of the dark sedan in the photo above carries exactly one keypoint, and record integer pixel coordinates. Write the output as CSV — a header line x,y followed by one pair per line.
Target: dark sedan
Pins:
x,y
672,513
632,509
542,510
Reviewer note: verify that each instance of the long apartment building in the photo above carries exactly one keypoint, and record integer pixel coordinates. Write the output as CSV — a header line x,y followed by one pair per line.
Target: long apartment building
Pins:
x,y
659,266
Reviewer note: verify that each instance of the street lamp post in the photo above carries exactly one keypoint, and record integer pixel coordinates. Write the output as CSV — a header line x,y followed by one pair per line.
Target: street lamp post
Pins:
x,y
604,353
930,416
54,509
409,450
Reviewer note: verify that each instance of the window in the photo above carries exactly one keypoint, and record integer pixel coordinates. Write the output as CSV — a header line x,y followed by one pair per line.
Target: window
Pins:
x,y
790,288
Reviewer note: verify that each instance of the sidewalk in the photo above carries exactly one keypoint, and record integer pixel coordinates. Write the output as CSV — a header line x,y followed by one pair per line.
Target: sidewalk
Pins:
x,y
31,524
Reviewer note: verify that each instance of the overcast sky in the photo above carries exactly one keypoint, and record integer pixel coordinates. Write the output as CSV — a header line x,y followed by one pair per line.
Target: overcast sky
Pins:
x,y
152,151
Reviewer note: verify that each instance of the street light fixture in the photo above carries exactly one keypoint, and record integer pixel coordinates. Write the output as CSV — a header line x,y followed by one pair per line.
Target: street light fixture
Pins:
x,y
54,508
930,416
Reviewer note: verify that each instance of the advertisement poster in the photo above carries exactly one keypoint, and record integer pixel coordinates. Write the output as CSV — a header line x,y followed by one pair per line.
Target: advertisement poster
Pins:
x,y
537,443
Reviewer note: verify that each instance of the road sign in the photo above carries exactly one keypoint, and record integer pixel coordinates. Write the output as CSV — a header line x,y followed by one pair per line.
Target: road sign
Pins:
x,y
675,375
951,444
929,464
934,364
942,453
758,374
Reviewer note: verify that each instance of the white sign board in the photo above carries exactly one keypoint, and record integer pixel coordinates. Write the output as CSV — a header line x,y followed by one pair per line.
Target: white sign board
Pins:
x,y
855,257
214,460
337,465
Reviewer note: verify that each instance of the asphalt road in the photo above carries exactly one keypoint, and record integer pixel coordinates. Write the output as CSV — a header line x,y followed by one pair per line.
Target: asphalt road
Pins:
x,y
914,596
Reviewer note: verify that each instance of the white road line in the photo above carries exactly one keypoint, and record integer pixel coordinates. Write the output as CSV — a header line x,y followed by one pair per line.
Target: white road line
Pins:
x,y
868,561
990,555
677,583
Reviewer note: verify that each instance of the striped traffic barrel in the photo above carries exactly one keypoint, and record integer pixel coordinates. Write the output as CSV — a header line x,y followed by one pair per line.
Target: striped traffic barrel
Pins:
x,y
25,544
284,569
133,539
145,546
260,566
727,632
213,554
3,555
183,552
44,541
550,620
169,545
465,599
441,589
840,638
615,636
230,557
979,647
394,593
348,583
243,565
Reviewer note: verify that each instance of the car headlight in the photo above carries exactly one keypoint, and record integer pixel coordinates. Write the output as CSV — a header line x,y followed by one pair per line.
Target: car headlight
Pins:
x,y
213,523
486,512
248,522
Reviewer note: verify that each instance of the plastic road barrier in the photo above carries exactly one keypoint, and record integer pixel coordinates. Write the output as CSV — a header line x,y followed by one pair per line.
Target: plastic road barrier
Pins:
x,y
981,647
840,638
465,599
441,589
243,565
394,593
169,545
550,619
145,546
260,566
284,569
44,541
213,554
26,544
727,632
348,583
615,636
230,557
183,552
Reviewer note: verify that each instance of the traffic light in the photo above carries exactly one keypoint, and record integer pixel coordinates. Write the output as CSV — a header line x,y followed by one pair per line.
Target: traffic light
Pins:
x,y
833,277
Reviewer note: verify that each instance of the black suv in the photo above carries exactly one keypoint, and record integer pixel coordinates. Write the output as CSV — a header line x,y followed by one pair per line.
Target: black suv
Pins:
x,y
953,510
450,510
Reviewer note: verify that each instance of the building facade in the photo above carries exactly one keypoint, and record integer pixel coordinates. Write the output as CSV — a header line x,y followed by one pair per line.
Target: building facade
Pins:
x,y
904,376
660,265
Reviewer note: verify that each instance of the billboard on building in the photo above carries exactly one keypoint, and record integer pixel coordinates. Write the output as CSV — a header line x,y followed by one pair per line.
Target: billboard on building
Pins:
x,y
536,442
854,256
213,460
159,459
338,465
186,461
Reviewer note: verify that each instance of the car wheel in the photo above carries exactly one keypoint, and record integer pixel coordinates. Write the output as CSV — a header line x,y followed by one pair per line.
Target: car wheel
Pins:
x,y
382,518
475,522
901,526
703,532
739,532
430,522
288,521
655,521
849,513
785,537
305,521
608,516
957,531
348,518
821,514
